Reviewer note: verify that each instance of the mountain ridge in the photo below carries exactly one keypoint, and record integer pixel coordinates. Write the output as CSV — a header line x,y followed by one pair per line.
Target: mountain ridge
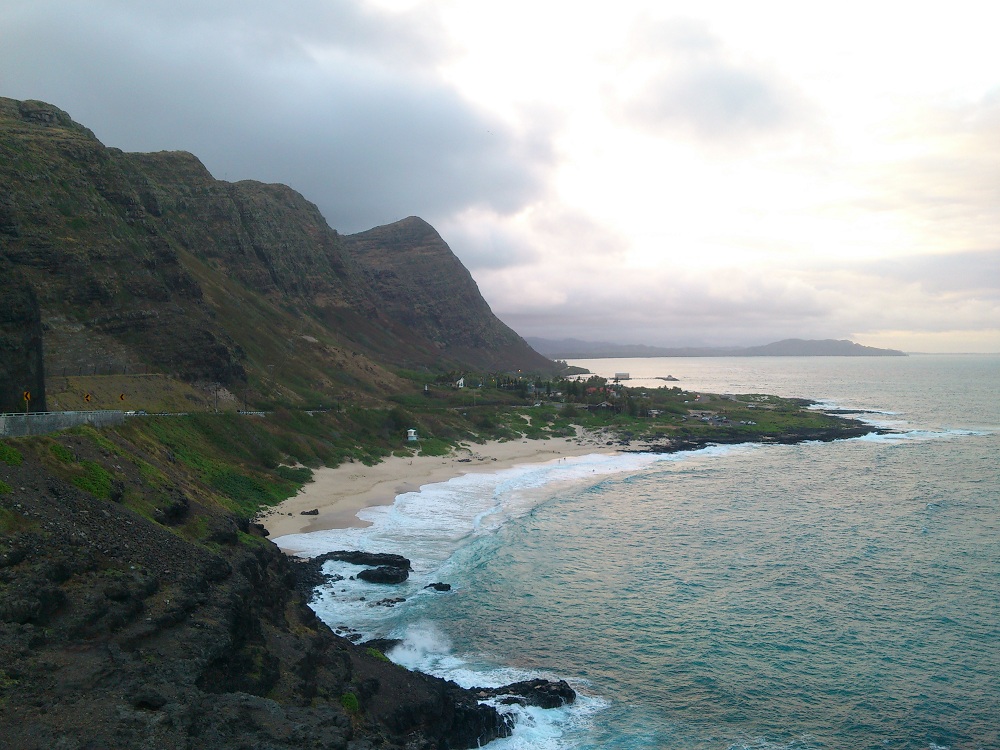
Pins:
x,y
146,262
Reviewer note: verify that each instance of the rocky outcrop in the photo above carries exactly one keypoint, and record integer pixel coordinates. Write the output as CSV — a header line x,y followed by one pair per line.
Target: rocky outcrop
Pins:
x,y
384,574
537,692
356,557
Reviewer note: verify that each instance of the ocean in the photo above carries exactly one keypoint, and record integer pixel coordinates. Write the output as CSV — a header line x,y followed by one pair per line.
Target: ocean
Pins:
x,y
822,595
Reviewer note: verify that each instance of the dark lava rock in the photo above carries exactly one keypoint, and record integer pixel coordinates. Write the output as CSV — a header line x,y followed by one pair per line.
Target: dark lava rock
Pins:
x,y
439,586
365,558
313,512
537,692
384,574
388,602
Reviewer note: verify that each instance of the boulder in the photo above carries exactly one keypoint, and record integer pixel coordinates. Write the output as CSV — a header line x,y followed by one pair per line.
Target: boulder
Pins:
x,y
384,574
537,692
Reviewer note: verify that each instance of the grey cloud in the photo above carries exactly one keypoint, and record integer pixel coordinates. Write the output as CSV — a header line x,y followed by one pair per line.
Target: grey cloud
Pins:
x,y
696,88
713,101
670,308
485,244
931,294
967,273
317,97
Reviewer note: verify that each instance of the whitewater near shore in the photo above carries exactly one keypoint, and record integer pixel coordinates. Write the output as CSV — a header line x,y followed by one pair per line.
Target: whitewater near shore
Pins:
x,y
340,492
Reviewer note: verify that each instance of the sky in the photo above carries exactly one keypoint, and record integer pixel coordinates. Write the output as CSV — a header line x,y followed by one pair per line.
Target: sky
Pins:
x,y
665,173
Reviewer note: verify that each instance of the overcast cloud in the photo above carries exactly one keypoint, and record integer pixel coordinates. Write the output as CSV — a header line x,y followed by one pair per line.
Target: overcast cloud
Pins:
x,y
333,98
665,174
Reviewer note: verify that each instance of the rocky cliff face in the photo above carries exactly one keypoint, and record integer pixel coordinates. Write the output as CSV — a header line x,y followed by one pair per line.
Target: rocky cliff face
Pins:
x,y
422,285
21,362
147,260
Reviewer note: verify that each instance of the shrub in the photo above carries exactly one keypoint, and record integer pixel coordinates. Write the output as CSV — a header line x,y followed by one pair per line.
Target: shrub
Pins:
x,y
350,703
376,654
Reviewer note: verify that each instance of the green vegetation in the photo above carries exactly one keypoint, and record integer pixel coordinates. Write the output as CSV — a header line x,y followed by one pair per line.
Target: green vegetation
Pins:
x,y
5,488
376,654
350,703
63,453
96,480
242,463
10,455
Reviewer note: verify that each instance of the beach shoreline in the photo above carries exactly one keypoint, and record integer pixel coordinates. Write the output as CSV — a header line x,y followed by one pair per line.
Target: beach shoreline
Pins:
x,y
339,493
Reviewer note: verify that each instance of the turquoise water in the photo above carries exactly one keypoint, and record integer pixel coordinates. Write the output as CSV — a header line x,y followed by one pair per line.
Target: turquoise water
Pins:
x,y
834,595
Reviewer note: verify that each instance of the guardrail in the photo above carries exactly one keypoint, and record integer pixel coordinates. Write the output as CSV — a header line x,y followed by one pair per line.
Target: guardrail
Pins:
x,y
39,423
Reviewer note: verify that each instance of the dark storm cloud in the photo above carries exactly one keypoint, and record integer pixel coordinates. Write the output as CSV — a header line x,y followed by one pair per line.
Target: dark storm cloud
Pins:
x,y
694,87
337,101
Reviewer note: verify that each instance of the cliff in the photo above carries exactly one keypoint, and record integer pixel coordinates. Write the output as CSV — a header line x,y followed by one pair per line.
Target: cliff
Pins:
x,y
421,285
145,262
21,361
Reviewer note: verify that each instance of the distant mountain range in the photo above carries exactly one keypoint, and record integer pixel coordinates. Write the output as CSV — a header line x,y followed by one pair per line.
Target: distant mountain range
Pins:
x,y
576,349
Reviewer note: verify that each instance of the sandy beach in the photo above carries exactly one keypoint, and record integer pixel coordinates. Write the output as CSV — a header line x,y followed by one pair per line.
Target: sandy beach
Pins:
x,y
339,493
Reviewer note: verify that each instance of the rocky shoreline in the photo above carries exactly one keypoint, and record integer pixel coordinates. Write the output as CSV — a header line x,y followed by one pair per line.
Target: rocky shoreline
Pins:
x,y
118,632
676,444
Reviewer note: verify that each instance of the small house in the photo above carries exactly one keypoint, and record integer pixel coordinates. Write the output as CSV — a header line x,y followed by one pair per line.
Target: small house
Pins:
x,y
411,435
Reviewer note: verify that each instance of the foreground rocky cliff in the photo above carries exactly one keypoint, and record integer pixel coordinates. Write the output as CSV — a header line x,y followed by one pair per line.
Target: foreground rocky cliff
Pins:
x,y
134,619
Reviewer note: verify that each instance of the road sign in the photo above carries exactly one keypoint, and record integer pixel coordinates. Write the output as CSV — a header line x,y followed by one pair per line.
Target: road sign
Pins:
x,y
27,395
87,398
121,396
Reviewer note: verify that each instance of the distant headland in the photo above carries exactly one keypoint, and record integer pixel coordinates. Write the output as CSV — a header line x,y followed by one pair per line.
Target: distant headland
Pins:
x,y
576,349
